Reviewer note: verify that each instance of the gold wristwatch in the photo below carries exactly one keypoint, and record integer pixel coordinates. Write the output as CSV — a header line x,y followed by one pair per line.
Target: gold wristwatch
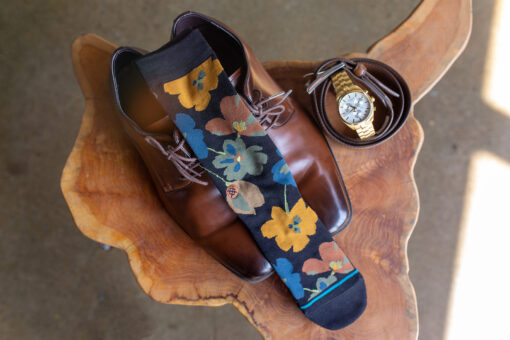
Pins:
x,y
355,106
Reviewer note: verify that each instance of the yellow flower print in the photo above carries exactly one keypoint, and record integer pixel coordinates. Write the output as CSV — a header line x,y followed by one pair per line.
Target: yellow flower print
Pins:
x,y
291,230
193,88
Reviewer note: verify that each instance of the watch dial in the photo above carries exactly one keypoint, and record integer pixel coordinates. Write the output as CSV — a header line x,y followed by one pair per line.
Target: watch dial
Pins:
x,y
354,107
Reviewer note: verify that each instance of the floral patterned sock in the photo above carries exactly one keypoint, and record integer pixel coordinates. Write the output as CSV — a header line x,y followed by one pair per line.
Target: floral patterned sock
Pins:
x,y
247,168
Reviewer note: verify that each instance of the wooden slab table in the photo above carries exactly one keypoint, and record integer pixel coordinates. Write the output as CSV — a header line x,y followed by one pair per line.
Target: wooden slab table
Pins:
x,y
112,199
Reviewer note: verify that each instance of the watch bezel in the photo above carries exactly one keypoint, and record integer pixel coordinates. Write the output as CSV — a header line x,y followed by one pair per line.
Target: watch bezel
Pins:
x,y
370,114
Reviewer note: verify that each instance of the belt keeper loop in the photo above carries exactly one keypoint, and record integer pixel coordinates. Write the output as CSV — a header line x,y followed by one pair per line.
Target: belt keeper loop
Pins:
x,y
360,70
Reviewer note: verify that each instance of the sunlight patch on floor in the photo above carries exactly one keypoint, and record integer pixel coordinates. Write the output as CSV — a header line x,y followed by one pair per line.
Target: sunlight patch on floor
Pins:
x,y
480,295
497,70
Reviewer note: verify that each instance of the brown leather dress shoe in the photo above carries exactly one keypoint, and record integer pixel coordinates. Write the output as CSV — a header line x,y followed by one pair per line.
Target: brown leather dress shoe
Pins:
x,y
200,209
292,130
187,193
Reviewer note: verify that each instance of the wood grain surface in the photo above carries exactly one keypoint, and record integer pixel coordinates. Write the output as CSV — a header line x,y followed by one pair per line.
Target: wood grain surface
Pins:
x,y
112,199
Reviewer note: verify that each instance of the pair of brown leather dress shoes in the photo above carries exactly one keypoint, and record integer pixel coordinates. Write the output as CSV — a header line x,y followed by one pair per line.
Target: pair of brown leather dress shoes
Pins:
x,y
186,192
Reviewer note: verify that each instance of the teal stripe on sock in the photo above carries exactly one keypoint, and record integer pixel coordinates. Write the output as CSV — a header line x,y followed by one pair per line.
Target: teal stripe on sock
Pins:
x,y
327,291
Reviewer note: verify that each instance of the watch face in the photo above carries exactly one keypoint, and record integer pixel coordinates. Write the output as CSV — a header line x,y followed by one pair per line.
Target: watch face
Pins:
x,y
354,107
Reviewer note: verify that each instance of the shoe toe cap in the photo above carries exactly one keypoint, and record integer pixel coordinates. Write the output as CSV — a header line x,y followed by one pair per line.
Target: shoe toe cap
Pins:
x,y
233,247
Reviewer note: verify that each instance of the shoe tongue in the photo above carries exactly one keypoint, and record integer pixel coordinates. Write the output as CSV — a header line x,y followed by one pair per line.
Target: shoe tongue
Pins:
x,y
138,101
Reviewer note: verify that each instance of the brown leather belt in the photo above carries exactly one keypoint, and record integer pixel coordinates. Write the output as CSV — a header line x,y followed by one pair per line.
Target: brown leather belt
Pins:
x,y
392,99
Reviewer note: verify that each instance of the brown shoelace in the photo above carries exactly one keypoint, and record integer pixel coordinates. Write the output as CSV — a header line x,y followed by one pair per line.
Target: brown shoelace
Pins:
x,y
262,109
182,160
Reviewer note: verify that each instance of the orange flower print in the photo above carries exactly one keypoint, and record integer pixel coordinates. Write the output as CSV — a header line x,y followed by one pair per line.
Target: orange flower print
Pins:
x,y
291,229
332,259
193,88
236,119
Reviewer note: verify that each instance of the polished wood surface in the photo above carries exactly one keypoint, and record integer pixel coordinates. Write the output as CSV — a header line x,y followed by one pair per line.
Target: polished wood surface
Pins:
x,y
112,199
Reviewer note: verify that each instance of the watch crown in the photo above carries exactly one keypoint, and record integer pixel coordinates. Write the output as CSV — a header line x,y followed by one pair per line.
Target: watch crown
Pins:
x,y
369,96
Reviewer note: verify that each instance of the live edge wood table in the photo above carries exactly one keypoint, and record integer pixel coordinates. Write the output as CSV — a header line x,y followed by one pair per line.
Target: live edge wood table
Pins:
x,y
112,200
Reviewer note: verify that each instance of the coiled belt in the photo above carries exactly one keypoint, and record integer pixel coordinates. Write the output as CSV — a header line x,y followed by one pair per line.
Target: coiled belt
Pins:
x,y
392,99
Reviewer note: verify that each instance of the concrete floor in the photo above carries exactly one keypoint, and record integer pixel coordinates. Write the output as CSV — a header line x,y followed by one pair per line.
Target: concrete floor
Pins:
x,y
57,284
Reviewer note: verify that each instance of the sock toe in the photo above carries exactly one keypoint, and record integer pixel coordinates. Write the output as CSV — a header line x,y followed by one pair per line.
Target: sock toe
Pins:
x,y
341,306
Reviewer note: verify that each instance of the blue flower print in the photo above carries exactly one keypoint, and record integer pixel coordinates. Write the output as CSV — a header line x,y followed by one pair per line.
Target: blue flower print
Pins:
x,y
238,160
194,137
198,82
281,172
293,280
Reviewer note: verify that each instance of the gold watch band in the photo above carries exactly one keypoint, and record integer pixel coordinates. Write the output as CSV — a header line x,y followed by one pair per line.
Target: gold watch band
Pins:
x,y
343,83
365,131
